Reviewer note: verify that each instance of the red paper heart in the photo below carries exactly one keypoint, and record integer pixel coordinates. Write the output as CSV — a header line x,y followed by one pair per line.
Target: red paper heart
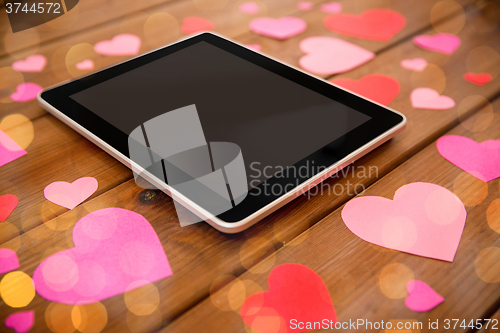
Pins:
x,y
193,24
380,88
295,292
8,203
478,78
375,24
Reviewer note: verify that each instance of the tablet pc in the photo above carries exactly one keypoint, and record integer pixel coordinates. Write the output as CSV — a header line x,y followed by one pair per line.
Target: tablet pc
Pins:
x,y
286,130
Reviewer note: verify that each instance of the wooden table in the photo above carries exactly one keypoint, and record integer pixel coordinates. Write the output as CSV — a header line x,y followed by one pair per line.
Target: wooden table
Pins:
x,y
213,273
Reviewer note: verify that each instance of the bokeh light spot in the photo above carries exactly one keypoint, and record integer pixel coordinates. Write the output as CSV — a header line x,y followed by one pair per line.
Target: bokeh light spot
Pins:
x,y
17,289
444,9
488,265
142,301
59,319
493,215
89,318
393,279
19,128
483,59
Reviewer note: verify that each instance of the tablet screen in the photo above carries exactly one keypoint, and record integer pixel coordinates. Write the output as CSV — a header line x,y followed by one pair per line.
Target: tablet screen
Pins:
x,y
275,122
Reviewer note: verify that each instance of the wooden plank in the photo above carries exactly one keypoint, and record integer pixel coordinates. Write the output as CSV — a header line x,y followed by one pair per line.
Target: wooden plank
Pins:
x,y
57,153
61,66
198,254
353,269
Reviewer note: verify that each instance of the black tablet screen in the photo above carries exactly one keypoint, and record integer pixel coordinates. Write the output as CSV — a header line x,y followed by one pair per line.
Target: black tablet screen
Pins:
x,y
275,122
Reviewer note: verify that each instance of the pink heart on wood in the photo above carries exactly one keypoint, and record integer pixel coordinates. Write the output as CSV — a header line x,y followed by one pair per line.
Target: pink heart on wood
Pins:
x,y
85,65
329,55
8,261
116,250
26,92
33,63
8,202
305,5
331,7
421,297
423,219
21,322
427,98
415,64
481,160
249,8
194,24
442,42
120,45
70,195
281,28
255,47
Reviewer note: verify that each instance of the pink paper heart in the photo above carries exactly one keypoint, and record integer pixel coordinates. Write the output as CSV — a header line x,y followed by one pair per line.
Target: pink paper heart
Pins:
x,y
442,42
33,63
26,92
427,98
481,160
8,261
21,322
9,149
329,55
120,45
421,297
281,28
85,65
305,5
116,250
70,195
331,7
249,8
415,64
423,219
255,47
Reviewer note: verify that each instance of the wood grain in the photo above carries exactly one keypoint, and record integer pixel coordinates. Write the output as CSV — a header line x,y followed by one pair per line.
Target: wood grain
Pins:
x,y
351,267
198,254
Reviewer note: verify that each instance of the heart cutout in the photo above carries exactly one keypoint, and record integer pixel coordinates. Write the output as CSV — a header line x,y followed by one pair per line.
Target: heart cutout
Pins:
x,y
421,297
331,7
374,24
442,42
415,64
9,149
249,8
21,322
481,160
8,202
85,65
427,98
119,45
423,219
26,92
295,292
478,78
281,28
305,5
255,47
379,88
33,63
194,24
70,195
329,55
114,249
8,260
